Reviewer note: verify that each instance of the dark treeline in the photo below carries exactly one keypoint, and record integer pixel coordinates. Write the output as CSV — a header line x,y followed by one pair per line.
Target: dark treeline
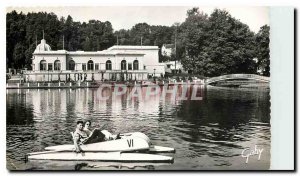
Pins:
x,y
206,45
24,31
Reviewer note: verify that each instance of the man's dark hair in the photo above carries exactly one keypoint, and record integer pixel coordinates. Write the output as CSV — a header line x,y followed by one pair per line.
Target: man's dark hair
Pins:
x,y
79,121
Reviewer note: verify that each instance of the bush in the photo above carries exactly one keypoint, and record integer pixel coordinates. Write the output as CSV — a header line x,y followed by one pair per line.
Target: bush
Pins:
x,y
8,76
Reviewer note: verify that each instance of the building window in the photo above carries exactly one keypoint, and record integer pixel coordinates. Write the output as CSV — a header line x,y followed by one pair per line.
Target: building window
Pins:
x,y
123,65
108,65
135,65
129,66
83,66
90,65
96,66
71,65
43,65
57,65
50,66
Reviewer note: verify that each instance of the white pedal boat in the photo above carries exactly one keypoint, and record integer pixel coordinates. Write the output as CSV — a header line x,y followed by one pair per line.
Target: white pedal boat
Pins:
x,y
120,150
129,142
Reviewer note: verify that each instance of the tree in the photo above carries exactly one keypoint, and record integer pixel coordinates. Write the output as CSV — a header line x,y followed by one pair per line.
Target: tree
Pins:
x,y
23,32
123,37
18,56
206,45
28,55
15,33
191,41
263,51
216,45
155,35
140,33
231,48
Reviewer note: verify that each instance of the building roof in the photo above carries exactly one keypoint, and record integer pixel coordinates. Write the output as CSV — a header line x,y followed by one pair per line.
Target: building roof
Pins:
x,y
44,48
84,53
59,52
132,47
104,52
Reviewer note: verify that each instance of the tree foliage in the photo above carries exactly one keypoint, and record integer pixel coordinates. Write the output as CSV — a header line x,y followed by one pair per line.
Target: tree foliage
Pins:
x,y
208,45
263,50
24,32
144,34
216,45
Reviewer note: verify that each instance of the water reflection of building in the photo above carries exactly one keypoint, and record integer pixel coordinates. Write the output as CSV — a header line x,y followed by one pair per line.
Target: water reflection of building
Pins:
x,y
47,103
115,63
101,102
84,102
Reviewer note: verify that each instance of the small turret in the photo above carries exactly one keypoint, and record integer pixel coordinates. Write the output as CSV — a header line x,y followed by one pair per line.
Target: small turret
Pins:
x,y
43,46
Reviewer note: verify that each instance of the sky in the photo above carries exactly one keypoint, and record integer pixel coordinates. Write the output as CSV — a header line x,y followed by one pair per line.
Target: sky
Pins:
x,y
124,17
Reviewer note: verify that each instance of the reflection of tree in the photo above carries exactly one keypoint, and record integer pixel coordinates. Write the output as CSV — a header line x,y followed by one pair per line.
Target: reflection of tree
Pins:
x,y
227,110
71,102
226,107
124,101
17,110
91,101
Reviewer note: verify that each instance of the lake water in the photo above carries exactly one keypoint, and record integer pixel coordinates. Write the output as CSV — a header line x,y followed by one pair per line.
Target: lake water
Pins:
x,y
207,134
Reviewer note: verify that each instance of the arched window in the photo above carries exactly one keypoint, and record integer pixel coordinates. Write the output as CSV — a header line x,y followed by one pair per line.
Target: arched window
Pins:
x,y
43,65
57,65
123,65
135,65
108,65
90,65
71,65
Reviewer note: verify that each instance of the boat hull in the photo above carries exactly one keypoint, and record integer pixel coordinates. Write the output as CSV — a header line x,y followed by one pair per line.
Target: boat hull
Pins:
x,y
125,144
101,156
151,149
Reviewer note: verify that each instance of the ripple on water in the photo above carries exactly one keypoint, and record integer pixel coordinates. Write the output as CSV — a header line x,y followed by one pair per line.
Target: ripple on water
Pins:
x,y
208,134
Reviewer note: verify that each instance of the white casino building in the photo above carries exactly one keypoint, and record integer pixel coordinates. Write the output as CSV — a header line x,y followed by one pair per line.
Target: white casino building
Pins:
x,y
117,63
